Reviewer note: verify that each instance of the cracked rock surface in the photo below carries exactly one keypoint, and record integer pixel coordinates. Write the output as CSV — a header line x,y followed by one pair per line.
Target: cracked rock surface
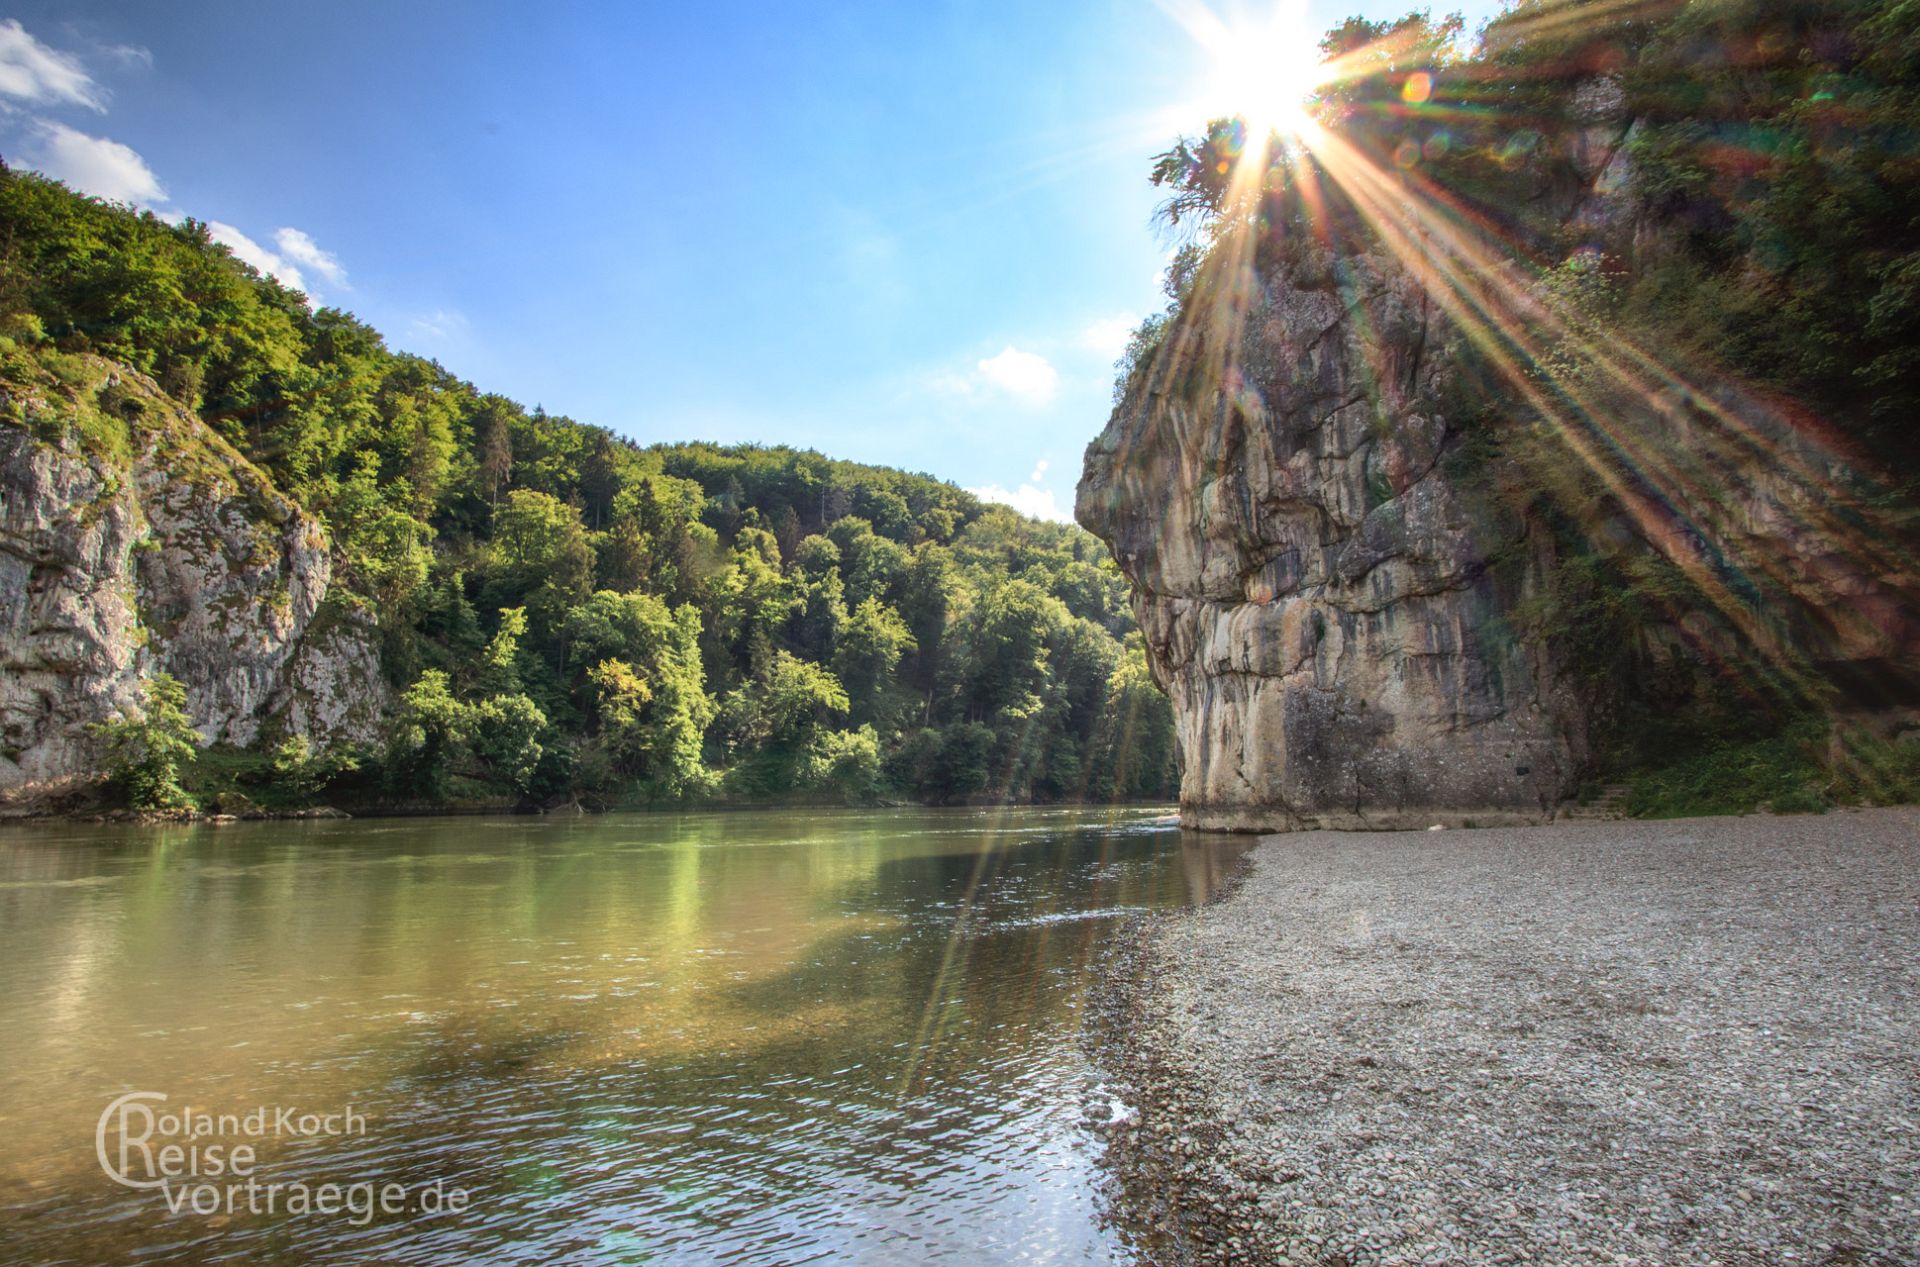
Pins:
x,y
1326,609
176,556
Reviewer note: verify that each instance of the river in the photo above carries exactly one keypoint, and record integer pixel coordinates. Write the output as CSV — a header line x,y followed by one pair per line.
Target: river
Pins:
x,y
832,1036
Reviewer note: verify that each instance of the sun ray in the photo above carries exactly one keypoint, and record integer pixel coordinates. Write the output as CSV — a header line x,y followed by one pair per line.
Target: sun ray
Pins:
x,y
1602,395
1262,70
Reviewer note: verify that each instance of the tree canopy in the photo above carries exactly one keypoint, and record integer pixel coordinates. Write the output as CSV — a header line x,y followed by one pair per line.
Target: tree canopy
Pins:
x,y
564,612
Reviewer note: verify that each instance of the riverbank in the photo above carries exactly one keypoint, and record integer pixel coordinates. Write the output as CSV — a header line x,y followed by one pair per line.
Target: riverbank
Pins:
x,y
84,799
1679,1042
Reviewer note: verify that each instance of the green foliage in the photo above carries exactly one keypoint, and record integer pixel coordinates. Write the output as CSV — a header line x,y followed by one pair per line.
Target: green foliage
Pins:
x,y
1865,769
953,763
302,773
1134,755
846,765
425,738
1228,177
147,751
540,556
387,547
1784,136
651,699
504,732
1767,222
624,699
1782,774
869,654
785,705
1006,636
492,742
498,670
834,610
1810,767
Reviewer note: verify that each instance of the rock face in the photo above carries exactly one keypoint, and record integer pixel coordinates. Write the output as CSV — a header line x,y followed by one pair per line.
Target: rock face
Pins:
x,y
1331,594
146,544
1326,609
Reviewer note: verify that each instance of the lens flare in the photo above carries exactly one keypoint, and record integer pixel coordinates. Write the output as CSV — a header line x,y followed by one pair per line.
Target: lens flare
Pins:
x,y
1262,70
1612,404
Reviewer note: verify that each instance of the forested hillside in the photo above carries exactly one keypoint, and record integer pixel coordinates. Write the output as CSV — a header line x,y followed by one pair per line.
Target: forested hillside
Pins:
x,y
560,613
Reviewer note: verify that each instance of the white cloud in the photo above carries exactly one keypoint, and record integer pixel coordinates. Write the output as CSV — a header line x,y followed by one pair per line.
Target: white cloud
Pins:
x,y
32,72
1039,471
441,323
251,252
1028,500
1108,336
296,250
1024,375
128,55
302,250
94,165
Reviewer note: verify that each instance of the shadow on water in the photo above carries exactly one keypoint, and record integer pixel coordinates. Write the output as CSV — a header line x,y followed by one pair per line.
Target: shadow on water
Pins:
x,y
832,1036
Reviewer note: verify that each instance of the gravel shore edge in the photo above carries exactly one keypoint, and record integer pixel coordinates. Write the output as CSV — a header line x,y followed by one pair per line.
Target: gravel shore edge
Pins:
x,y
1683,1042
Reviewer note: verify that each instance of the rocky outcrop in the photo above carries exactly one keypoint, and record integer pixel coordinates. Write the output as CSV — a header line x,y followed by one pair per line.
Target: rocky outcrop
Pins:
x,y
1330,589
1327,611
133,541
333,688
69,617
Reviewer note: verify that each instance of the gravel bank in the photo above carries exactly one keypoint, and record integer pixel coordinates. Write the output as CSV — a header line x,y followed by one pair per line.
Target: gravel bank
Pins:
x,y
1648,1043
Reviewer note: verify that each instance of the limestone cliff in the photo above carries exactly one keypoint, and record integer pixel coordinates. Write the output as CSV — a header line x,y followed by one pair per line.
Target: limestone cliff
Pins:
x,y
133,540
1334,573
1319,601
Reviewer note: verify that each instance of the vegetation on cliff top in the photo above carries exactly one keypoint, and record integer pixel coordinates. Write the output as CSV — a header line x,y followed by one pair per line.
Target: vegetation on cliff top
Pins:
x,y
565,614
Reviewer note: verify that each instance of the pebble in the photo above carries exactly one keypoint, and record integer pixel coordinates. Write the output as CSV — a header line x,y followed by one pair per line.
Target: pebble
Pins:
x,y
1681,1044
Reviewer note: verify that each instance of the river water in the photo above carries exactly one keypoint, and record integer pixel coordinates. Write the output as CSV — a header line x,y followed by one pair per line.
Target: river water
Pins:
x,y
820,1036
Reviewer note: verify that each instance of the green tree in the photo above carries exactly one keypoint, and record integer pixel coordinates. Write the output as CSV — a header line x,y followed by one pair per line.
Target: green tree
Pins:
x,y
494,741
624,699
1134,754
785,705
426,736
821,612
650,695
504,733
1006,636
387,549
749,600
145,751
870,564
847,763
302,771
541,557
871,646
440,502
495,436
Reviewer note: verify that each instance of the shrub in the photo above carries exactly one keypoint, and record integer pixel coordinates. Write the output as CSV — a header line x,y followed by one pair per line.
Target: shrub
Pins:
x,y
146,752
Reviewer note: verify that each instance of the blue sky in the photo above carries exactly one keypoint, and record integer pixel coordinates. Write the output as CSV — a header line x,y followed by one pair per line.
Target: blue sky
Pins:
x,y
905,233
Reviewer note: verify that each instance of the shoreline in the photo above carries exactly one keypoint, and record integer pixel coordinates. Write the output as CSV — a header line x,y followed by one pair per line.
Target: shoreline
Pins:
x,y
1685,1041
200,818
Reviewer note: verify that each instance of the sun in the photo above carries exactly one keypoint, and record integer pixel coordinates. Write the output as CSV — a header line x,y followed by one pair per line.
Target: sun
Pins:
x,y
1260,66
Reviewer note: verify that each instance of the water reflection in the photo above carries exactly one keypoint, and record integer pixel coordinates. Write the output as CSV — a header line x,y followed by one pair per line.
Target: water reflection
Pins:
x,y
835,1036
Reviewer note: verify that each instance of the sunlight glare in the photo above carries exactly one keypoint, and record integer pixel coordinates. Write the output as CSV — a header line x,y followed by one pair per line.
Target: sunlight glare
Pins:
x,y
1261,68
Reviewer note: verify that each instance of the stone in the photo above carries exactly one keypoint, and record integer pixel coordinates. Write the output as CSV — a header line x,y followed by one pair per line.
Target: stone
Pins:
x,y
1318,599
177,556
